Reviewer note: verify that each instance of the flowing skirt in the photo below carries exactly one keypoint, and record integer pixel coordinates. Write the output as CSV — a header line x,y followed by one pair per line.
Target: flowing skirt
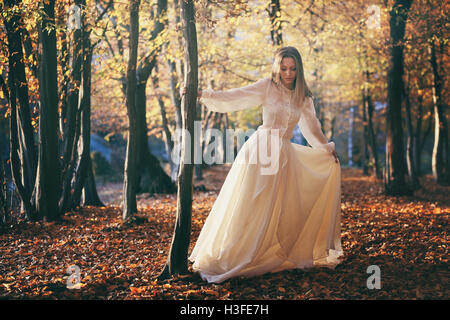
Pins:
x,y
264,222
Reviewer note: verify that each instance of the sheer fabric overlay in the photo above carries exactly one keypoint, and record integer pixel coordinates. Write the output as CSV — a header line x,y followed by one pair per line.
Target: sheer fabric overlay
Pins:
x,y
272,216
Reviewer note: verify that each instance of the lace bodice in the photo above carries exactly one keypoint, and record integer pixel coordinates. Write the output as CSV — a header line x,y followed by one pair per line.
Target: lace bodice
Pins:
x,y
279,111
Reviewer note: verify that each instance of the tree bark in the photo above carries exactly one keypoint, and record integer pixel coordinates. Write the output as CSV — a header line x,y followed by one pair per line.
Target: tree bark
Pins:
x,y
83,173
152,178
198,167
177,258
14,157
64,61
369,134
18,87
394,183
48,174
415,184
176,100
373,137
418,136
89,195
440,159
84,144
168,142
4,209
366,156
129,186
73,122
174,75
274,11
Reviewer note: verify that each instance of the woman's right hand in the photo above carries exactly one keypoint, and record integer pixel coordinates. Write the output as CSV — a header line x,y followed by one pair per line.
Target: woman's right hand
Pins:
x,y
184,89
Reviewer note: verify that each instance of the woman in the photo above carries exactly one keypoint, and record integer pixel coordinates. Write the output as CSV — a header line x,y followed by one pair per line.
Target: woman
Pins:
x,y
290,217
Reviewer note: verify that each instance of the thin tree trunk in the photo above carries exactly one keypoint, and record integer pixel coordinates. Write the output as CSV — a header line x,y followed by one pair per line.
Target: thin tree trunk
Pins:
x,y
64,63
366,156
18,84
84,182
4,209
410,143
177,258
417,136
373,137
175,96
168,142
73,121
368,133
129,186
198,167
176,100
84,144
14,157
440,159
421,141
174,75
274,11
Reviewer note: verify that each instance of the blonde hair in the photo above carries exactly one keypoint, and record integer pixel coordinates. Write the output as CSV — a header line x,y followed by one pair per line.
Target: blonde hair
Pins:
x,y
301,90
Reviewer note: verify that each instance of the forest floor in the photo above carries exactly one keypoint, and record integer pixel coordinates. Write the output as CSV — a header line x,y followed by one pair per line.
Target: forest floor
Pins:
x,y
406,237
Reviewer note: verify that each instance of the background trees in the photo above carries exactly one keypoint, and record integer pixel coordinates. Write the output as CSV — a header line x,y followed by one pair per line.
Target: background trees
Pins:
x,y
379,73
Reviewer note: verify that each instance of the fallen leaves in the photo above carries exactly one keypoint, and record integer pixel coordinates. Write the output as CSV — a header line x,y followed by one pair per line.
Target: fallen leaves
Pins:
x,y
406,237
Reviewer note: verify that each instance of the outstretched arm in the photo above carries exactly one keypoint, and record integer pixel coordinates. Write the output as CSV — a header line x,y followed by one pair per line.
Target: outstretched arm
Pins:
x,y
311,128
235,99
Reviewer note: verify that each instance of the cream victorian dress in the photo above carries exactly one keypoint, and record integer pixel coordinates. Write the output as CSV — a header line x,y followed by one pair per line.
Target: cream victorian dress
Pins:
x,y
272,216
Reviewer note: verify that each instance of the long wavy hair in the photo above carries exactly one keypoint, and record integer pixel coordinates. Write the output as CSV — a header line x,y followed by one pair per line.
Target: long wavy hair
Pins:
x,y
301,89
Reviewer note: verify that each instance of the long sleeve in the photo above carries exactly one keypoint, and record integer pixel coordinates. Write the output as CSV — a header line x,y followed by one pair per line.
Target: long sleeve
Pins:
x,y
235,99
311,128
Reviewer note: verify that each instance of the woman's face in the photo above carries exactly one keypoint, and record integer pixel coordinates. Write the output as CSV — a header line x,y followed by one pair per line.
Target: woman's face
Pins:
x,y
288,72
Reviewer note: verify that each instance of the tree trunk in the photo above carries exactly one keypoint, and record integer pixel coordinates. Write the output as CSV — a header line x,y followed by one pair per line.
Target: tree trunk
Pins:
x,y
373,137
4,209
417,136
90,196
177,257
73,122
48,174
394,183
440,159
369,134
198,166
84,144
84,183
168,142
64,62
14,157
350,136
410,144
176,100
18,83
274,11
366,156
129,185
152,178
